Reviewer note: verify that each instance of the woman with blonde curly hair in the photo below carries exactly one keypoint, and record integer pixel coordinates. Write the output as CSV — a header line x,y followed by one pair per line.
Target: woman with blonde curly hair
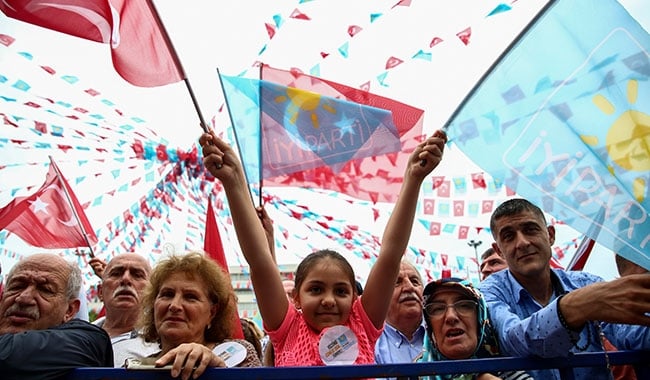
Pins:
x,y
187,308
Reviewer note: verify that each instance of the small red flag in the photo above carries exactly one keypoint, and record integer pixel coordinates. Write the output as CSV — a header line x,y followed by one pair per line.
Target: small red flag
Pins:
x,y
579,259
214,248
45,219
140,48
478,181
555,264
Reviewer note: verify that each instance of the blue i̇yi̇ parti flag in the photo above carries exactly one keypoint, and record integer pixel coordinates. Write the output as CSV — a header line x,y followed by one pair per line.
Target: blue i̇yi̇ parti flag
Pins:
x,y
300,135
563,118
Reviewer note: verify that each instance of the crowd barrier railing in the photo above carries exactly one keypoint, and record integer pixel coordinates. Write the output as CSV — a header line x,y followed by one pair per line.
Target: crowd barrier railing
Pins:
x,y
407,370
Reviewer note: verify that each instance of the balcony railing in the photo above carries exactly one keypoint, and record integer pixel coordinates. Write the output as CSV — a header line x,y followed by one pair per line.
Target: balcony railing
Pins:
x,y
410,371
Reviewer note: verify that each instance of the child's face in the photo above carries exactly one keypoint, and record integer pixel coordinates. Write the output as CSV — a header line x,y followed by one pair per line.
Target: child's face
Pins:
x,y
325,296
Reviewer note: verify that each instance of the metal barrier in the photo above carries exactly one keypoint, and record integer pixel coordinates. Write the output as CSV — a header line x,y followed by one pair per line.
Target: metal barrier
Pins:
x,y
408,370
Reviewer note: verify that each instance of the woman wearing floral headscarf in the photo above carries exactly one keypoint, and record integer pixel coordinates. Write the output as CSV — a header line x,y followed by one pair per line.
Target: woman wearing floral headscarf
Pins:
x,y
458,327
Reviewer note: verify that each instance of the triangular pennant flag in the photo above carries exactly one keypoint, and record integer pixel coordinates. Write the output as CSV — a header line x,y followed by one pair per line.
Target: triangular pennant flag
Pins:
x,y
214,248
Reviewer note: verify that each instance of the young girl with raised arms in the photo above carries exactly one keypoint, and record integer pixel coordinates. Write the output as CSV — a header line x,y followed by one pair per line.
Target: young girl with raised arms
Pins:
x,y
327,316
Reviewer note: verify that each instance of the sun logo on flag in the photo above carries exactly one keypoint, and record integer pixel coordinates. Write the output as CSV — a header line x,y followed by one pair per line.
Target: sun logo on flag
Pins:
x,y
628,138
300,101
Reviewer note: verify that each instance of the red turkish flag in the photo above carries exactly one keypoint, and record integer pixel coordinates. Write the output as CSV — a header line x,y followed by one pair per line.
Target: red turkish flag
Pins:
x,y
579,259
429,206
462,232
141,52
555,264
459,208
478,181
46,219
487,206
444,190
434,229
214,248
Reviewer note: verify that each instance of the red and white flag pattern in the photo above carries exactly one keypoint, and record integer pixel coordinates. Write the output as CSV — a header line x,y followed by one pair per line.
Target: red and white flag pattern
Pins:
x,y
140,48
46,219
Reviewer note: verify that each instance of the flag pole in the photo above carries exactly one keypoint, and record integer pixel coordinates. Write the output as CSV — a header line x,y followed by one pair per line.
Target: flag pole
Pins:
x,y
580,257
232,122
496,62
178,63
259,152
459,107
59,176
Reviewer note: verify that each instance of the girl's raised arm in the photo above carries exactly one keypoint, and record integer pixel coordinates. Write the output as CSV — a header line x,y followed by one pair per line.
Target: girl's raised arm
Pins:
x,y
381,280
220,160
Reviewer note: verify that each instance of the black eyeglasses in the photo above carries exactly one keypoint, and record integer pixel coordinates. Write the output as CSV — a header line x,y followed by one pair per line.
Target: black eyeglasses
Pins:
x,y
462,307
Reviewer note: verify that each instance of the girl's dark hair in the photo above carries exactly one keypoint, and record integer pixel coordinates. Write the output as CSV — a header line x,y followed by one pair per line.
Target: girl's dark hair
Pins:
x,y
314,258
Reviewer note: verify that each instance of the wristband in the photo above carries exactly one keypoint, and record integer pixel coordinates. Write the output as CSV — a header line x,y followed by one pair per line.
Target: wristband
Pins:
x,y
574,335
560,316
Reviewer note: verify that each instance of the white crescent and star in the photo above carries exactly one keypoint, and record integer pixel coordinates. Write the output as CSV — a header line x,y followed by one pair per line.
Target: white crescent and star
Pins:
x,y
38,205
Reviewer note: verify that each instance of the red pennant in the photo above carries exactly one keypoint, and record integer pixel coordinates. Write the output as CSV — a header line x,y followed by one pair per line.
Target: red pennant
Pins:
x,y
465,35
214,248
354,29
435,41
299,15
270,30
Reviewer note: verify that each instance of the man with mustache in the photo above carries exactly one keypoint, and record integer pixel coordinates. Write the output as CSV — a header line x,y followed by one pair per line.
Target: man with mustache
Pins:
x,y
123,281
39,337
403,335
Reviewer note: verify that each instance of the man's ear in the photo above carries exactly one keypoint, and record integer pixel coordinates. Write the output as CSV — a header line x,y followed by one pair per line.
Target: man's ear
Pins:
x,y
72,310
551,234
496,249
99,292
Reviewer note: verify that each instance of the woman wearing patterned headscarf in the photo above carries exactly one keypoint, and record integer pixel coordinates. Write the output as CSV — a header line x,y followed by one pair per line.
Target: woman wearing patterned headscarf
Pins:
x,y
458,327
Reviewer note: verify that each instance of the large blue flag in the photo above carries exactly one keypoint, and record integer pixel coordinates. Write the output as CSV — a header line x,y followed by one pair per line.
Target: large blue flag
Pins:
x,y
564,119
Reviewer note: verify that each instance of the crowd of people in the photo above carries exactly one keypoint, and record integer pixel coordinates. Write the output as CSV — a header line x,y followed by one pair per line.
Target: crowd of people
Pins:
x,y
178,313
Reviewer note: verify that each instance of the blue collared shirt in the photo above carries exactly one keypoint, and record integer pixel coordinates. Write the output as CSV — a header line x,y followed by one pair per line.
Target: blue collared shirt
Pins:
x,y
393,347
525,328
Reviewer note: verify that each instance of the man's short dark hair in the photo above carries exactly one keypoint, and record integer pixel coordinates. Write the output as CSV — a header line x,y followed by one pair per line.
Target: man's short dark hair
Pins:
x,y
488,252
511,207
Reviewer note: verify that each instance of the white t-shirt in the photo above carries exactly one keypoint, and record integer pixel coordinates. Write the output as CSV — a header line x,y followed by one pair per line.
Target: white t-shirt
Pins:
x,y
129,345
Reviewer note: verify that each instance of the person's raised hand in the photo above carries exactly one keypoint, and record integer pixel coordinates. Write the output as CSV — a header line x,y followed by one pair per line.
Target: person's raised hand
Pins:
x,y
427,155
220,159
98,266
623,300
